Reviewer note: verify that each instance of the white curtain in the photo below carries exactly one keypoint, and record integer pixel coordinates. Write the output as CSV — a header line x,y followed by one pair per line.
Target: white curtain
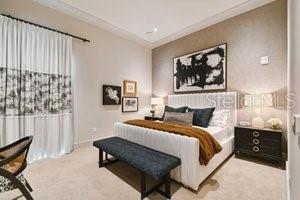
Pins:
x,y
35,88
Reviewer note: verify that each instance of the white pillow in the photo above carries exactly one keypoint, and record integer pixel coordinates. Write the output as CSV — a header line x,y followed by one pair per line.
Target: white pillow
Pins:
x,y
220,118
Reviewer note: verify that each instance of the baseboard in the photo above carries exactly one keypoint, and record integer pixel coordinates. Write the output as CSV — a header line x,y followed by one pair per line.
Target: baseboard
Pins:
x,y
88,143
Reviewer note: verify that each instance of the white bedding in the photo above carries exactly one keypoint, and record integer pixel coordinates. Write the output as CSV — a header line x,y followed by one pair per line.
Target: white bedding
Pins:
x,y
190,173
219,133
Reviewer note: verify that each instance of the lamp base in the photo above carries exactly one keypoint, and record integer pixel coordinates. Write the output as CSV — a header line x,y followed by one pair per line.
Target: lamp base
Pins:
x,y
152,112
258,122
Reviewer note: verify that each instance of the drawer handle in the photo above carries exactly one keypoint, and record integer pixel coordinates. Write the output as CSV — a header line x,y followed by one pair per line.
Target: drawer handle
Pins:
x,y
255,141
255,133
255,149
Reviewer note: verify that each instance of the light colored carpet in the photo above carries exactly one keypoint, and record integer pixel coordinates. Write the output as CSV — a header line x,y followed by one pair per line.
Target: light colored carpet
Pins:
x,y
77,177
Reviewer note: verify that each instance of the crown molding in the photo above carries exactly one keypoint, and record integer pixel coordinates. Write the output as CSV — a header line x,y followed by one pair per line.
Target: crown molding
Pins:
x,y
91,19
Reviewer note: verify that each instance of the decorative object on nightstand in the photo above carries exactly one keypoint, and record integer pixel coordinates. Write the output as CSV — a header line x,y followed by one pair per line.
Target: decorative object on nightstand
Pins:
x,y
155,101
153,118
258,101
275,123
264,144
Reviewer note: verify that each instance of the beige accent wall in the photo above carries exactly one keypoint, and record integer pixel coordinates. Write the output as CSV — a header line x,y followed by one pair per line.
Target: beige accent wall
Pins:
x,y
107,59
249,36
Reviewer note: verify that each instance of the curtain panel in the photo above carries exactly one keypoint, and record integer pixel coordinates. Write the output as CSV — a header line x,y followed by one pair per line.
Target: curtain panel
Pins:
x,y
35,88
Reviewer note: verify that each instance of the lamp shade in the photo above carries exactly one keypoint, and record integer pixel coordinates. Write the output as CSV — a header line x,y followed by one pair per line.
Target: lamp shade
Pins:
x,y
157,101
258,100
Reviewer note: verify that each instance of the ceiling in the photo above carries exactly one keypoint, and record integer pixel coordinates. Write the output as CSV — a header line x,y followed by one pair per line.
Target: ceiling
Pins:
x,y
153,22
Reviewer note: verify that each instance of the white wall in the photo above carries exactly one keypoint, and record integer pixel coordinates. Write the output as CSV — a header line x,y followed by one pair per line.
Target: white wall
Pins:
x,y
294,84
107,59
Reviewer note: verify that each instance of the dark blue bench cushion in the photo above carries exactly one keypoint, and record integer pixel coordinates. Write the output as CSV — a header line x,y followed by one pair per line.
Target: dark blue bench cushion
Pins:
x,y
149,161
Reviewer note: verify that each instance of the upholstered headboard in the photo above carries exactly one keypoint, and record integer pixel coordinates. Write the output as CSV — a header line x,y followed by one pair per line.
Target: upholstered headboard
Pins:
x,y
219,100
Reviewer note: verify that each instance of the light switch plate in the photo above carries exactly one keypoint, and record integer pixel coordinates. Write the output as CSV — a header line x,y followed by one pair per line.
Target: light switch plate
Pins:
x,y
264,60
296,124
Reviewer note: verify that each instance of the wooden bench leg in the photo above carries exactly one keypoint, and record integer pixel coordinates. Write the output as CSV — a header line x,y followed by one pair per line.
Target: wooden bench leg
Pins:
x,y
100,158
143,186
165,181
104,160
106,156
167,186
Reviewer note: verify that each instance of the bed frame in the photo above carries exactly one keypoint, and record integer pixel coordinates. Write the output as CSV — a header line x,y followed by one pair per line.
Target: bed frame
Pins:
x,y
190,173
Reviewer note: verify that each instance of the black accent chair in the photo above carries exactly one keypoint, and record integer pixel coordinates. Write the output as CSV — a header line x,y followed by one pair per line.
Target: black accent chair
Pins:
x,y
12,164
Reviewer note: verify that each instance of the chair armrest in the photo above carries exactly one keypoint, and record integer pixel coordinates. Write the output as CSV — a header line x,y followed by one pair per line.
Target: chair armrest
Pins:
x,y
12,145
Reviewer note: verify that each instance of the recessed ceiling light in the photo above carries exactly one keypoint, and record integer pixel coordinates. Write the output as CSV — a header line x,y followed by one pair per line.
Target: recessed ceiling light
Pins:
x,y
155,30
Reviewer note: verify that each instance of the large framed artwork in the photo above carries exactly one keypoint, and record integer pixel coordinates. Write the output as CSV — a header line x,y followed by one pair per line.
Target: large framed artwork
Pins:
x,y
130,104
201,71
111,95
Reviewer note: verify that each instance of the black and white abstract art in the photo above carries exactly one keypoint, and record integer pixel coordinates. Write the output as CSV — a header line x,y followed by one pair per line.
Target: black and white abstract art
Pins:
x,y
29,93
130,104
203,70
111,95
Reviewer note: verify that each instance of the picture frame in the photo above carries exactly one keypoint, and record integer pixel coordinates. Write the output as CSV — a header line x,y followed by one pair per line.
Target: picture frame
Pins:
x,y
130,88
111,95
130,104
201,71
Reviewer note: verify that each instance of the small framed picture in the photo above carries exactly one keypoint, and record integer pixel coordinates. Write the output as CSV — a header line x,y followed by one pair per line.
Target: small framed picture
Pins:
x,y
130,88
111,95
130,104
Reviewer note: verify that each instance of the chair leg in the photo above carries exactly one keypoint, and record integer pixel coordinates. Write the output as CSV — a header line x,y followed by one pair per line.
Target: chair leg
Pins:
x,y
17,183
28,186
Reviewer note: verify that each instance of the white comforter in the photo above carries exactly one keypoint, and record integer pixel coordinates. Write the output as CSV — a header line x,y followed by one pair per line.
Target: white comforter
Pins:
x,y
190,172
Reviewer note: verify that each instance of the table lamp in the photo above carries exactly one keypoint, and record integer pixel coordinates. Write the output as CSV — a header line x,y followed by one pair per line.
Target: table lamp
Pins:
x,y
154,102
258,101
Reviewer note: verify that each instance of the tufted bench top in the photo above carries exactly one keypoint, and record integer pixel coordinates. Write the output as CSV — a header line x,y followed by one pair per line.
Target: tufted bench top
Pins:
x,y
148,161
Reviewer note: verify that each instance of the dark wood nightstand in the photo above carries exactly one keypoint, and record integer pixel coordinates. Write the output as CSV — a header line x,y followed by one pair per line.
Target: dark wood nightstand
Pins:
x,y
265,144
153,118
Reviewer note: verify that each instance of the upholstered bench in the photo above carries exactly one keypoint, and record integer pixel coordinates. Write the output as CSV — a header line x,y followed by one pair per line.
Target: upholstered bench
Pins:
x,y
147,161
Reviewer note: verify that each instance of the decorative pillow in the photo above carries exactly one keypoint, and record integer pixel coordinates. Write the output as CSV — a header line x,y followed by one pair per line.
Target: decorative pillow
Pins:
x,y
177,110
179,118
201,116
220,118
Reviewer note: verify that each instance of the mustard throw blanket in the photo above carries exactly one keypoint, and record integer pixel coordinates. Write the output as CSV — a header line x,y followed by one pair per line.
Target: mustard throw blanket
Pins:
x,y
208,145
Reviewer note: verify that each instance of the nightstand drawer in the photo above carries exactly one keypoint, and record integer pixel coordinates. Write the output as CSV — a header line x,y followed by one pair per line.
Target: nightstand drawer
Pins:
x,y
259,149
253,133
241,139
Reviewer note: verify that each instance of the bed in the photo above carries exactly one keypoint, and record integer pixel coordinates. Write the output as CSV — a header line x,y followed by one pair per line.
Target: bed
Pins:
x,y
190,173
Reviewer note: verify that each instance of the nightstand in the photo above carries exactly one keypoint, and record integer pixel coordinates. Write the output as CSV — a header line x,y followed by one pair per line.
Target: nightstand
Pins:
x,y
264,144
153,118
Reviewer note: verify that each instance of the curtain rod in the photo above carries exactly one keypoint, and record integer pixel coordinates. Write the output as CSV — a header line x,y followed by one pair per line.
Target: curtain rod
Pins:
x,y
34,24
